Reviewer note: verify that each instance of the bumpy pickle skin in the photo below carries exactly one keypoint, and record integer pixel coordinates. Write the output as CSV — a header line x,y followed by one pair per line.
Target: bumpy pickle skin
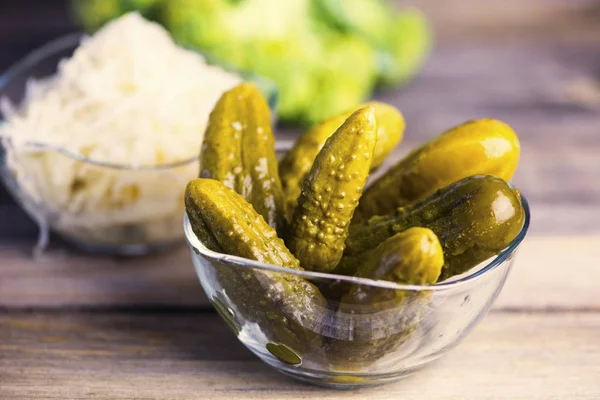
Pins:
x,y
331,192
474,218
381,320
284,306
296,164
484,146
239,150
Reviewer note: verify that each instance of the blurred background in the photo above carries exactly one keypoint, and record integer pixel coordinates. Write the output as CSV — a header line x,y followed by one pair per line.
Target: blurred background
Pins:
x,y
67,319
534,64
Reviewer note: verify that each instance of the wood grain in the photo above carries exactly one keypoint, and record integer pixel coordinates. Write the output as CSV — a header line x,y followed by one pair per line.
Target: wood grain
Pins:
x,y
61,279
554,273
191,356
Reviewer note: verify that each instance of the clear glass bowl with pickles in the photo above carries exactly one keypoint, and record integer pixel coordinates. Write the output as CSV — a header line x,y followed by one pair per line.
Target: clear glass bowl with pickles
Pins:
x,y
336,282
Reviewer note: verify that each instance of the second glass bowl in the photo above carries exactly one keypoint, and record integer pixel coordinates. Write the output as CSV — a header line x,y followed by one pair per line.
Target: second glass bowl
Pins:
x,y
135,218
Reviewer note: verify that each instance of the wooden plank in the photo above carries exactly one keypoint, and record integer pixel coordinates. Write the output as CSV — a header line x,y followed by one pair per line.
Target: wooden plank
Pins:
x,y
191,356
554,273
516,20
549,273
61,279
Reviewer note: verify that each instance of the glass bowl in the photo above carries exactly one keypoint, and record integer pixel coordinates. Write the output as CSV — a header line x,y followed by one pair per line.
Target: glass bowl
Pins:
x,y
339,345
142,216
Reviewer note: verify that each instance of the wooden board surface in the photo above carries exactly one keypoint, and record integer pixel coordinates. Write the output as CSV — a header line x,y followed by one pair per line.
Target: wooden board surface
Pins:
x,y
76,326
184,356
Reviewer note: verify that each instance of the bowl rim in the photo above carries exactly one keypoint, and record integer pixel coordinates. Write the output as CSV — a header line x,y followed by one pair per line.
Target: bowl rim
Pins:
x,y
72,41
197,247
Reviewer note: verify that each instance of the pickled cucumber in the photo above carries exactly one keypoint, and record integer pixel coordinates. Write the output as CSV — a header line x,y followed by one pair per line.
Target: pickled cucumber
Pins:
x,y
474,218
378,320
239,150
331,192
485,146
414,257
285,306
297,162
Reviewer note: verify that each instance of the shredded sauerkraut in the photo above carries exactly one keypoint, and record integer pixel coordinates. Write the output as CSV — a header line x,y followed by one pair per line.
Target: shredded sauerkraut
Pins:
x,y
128,97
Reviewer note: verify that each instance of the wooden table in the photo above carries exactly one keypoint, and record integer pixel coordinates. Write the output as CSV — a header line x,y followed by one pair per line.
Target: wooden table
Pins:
x,y
76,326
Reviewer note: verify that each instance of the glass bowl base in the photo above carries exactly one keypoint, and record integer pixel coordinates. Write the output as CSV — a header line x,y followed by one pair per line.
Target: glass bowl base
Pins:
x,y
344,381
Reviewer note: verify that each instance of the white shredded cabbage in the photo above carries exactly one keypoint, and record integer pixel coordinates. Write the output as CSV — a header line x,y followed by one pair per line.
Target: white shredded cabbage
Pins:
x,y
128,96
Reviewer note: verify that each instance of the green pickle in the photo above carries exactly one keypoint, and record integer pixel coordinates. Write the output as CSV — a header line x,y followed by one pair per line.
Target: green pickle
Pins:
x,y
474,218
331,192
484,146
414,256
376,321
285,306
239,150
296,164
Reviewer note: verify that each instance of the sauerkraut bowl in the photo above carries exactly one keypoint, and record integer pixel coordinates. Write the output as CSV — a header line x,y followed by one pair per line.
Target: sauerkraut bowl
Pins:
x,y
105,192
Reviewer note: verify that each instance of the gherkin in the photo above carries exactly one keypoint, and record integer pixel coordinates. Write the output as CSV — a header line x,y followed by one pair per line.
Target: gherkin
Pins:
x,y
474,218
285,306
296,164
414,256
239,150
374,321
331,192
484,146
